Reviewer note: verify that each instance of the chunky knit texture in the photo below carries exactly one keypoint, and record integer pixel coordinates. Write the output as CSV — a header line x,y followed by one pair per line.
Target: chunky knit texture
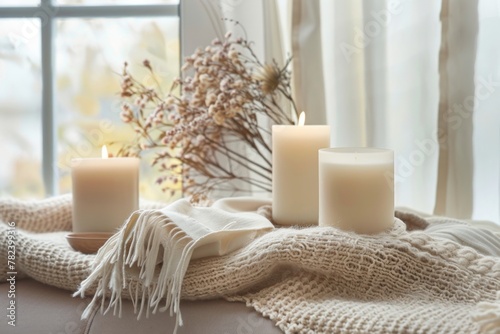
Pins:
x,y
308,280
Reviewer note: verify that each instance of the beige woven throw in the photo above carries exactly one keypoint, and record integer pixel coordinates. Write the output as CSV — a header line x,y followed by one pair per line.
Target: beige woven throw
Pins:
x,y
309,280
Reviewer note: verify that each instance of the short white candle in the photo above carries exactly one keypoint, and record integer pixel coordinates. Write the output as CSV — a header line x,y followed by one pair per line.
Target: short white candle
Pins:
x,y
105,192
356,189
295,172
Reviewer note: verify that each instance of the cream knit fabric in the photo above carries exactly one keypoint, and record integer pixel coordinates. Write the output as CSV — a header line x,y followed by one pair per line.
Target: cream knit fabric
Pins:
x,y
308,280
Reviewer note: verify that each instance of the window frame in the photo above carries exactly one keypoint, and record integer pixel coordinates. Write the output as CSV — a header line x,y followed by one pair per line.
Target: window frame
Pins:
x,y
48,12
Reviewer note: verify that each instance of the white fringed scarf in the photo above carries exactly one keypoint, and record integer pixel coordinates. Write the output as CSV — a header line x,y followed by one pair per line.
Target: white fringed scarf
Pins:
x,y
155,247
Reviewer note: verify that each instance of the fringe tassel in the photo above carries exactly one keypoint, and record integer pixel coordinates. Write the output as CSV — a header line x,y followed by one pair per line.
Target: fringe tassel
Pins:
x,y
487,316
148,239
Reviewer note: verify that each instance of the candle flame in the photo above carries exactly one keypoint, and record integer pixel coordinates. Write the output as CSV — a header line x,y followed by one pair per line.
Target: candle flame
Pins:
x,y
302,119
104,152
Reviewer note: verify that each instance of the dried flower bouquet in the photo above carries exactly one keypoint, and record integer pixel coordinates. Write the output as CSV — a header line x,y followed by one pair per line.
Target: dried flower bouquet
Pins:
x,y
212,130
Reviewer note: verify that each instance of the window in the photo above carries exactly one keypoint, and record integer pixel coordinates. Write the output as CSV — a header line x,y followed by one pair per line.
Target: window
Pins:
x,y
60,62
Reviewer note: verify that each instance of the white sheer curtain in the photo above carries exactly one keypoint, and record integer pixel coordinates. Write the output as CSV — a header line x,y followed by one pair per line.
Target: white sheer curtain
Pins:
x,y
419,76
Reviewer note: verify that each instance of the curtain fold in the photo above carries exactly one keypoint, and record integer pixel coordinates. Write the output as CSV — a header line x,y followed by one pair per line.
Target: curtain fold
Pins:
x,y
307,62
343,70
457,59
375,67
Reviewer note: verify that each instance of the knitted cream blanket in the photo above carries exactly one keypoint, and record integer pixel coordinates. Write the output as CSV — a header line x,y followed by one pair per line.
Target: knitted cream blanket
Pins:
x,y
309,280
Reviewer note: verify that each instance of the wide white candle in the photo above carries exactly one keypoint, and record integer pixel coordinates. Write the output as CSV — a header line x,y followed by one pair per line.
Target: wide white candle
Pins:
x,y
356,189
295,172
105,192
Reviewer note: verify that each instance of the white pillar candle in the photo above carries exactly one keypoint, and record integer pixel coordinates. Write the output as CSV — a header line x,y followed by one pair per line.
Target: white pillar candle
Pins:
x,y
105,192
295,172
356,189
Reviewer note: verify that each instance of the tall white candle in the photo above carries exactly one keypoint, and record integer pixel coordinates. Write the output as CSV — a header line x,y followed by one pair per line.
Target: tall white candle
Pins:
x,y
295,172
105,192
356,189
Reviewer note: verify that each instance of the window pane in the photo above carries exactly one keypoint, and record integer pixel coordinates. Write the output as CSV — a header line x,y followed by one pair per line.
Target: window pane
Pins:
x,y
19,3
20,109
114,2
90,55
